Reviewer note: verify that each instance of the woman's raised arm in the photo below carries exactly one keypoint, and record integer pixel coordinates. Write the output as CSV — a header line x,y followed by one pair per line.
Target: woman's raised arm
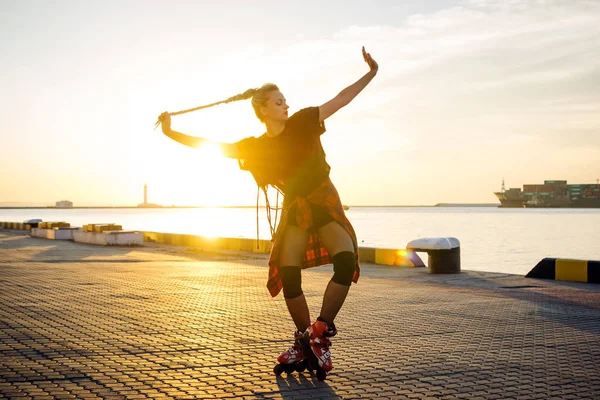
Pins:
x,y
348,94
227,149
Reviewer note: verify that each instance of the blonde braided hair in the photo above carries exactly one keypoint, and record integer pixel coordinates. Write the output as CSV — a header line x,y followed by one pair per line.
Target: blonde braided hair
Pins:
x,y
259,98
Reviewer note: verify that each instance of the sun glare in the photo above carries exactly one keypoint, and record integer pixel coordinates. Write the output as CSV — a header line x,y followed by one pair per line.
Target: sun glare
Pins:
x,y
210,152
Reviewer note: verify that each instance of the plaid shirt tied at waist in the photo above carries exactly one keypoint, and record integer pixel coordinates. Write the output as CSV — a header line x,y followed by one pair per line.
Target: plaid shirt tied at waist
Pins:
x,y
326,196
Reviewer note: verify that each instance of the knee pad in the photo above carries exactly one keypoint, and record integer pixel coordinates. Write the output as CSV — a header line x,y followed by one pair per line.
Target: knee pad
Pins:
x,y
344,264
291,278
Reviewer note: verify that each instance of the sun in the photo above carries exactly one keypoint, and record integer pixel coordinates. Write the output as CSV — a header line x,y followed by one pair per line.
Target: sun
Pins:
x,y
217,178
201,176
210,153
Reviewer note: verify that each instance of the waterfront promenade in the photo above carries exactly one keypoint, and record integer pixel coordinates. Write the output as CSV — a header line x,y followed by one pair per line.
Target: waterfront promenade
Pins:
x,y
158,321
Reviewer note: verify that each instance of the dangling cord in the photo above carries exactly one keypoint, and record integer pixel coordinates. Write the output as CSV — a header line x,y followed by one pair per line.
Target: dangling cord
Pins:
x,y
276,208
257,235
272,226
268,209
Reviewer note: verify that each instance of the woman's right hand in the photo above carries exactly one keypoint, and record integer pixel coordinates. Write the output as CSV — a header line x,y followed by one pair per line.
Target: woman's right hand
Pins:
x,y
165,120
370,62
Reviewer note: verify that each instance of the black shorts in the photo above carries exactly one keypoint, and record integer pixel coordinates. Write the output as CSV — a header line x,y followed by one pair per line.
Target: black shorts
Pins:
x,y
320,216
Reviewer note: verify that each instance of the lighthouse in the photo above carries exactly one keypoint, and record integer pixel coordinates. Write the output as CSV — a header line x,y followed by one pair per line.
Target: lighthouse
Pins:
x,y
145,203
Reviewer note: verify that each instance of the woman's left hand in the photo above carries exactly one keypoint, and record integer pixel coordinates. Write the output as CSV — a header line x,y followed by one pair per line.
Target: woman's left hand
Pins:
x,y
165,120
369,60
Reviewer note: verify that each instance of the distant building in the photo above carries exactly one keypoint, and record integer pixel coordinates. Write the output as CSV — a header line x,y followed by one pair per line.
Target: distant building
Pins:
x,y
64,204
145,203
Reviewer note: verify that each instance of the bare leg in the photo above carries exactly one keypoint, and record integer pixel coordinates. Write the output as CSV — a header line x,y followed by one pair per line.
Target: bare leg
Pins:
x,y
336,240
333,300
299,311
294,245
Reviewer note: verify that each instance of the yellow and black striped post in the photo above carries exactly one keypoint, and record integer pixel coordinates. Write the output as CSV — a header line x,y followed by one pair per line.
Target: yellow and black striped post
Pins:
x,y
566,270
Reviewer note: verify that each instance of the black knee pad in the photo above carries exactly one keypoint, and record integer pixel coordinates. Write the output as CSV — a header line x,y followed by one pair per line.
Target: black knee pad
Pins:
x,y
291,277
344,264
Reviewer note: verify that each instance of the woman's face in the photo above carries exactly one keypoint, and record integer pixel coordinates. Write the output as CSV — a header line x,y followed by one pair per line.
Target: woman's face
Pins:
x,y
277,108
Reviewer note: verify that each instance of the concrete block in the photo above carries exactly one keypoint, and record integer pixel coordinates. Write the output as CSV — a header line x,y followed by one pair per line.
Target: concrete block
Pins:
x,y
89,238
20,226
33,222
100,227
571,270
109,238
54,224
209,243
123,238
106,227
567,270
264,246
396,257
54,234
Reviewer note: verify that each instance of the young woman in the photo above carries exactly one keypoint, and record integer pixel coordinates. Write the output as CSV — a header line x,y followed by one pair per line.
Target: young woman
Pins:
x,y
313,229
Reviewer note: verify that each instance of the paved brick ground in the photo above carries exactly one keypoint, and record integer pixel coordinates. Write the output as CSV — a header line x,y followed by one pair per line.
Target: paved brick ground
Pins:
x,y
81,321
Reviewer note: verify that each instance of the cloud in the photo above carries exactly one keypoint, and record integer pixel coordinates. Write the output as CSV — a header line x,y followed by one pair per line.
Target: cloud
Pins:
x,y
511,67
471,85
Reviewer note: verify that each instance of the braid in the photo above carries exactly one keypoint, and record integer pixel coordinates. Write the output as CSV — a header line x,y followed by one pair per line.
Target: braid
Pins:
x,y
259,98
242,96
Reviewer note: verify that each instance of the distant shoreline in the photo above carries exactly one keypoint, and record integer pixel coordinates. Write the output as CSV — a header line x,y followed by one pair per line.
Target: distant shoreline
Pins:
x,y
254,206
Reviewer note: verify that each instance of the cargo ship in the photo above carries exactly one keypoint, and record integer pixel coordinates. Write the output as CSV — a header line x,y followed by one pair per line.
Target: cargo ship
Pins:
x,y
551,194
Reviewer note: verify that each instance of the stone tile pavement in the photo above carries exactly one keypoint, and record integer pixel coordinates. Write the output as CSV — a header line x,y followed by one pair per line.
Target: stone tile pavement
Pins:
x,y
81,321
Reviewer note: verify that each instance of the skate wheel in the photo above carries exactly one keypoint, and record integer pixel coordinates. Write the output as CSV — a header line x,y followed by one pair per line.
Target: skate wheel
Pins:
x,y
301,366
289,368
278,369
321,374
313,364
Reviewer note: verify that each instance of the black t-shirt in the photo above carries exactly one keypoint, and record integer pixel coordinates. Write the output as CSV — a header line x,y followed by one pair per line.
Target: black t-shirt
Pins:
x,y
294,161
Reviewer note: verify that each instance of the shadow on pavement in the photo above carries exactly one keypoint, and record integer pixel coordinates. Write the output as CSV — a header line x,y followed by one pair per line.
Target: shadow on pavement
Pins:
x,y
572,304
301,384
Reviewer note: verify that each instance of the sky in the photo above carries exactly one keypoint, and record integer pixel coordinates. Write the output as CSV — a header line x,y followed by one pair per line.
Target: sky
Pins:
x,y
468,93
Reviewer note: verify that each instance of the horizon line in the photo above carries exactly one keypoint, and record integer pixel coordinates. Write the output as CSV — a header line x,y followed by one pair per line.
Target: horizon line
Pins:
x,y
242,206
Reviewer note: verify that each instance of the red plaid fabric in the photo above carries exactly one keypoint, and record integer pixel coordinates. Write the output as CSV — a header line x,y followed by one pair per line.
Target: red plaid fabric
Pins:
x,y
325,196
